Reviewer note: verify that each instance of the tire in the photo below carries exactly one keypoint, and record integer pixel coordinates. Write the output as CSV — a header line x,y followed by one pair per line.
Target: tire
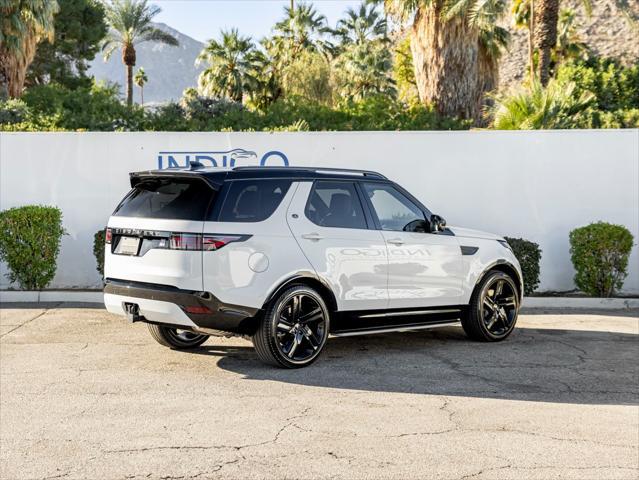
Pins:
x,y
294,328
175,338
493,308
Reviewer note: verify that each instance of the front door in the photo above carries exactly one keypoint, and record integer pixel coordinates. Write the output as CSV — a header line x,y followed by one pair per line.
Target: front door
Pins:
x,y
425,269
328,221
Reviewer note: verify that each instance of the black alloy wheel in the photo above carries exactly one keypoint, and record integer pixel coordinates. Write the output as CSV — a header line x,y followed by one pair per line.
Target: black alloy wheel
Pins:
x,y
176,338
294,329
499,306
493,309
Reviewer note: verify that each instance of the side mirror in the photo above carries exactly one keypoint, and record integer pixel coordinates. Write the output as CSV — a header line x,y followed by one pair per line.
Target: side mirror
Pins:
x,y
437,223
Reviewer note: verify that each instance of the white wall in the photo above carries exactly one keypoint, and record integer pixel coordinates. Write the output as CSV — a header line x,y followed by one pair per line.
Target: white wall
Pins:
x,y
537,185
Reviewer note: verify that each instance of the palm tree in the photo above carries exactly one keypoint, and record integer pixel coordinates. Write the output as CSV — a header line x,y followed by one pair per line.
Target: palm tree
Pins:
x,y
543,26
23,24
445,44
361,25
131,24
302,28
555,106
363,70
493,40
266,86
230,66
546,17
140,79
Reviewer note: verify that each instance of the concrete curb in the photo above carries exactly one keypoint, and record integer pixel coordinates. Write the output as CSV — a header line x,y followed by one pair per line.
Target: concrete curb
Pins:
x,y
95,296
80,296
585,303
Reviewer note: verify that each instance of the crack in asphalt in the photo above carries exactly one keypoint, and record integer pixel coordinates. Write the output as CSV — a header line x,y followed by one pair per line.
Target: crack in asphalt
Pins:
x,y
46,310
290,423
457,427
542,467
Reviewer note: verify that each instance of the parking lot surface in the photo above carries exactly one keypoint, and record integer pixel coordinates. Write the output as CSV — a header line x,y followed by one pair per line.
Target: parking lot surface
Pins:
x,y
84,394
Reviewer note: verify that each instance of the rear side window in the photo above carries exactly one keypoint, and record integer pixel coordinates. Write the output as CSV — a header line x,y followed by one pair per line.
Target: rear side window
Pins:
x,y
167,198
253,200
335,204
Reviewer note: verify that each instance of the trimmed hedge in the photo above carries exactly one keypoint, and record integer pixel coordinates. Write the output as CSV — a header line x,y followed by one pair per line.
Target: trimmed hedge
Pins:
x,y
529,255
599,253
29,244
98,251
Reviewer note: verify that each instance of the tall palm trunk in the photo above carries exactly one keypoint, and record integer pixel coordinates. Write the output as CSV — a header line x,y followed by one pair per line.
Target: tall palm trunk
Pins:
x,y
128,58
445,58
14,66
546,18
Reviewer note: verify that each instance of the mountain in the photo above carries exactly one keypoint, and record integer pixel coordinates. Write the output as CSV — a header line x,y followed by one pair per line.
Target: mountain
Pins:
x,y
169,69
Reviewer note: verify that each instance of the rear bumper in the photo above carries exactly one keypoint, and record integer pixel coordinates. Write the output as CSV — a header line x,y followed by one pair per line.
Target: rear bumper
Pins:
x,y
167,305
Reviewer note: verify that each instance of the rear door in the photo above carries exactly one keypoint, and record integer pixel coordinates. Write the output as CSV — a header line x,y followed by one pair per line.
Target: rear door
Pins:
x,y
156,232
424,269
254,251
330,225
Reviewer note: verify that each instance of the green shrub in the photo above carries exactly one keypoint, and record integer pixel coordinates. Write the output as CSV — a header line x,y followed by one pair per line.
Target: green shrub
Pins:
x,y
97,108
54,107
615,87
29,244
599,253
98,251
13,111
555,106
529,255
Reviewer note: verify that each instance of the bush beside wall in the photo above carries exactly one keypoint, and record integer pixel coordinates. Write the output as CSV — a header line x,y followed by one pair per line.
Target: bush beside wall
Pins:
x,y
599,253
98,251
529,255
30,243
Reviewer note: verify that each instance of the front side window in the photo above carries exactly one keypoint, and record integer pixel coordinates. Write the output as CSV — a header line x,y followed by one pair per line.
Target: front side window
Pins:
x,y
167,198
335,204
394,211
253,200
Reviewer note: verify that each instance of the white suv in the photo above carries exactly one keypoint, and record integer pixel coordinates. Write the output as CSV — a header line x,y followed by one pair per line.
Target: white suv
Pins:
x,y
289,255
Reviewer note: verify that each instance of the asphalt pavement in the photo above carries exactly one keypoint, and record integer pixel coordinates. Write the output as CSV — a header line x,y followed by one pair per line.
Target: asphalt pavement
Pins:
x,y
84,394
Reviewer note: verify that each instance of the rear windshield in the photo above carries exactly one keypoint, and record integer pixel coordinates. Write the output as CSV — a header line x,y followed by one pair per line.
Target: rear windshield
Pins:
x,y
169,198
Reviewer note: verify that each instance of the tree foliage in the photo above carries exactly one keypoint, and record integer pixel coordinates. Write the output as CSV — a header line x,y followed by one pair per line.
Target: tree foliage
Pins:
x,y
536,107
23,24
80,27
229,66
363,70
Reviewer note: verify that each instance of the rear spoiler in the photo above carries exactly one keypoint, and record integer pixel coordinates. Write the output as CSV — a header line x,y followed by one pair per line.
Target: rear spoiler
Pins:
x,y
137,177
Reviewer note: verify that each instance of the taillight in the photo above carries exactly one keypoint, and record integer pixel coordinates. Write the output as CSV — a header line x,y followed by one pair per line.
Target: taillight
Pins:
x,y
185,241
215,242
108,235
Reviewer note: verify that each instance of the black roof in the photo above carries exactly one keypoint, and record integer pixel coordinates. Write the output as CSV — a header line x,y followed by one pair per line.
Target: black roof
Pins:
x,y
216,176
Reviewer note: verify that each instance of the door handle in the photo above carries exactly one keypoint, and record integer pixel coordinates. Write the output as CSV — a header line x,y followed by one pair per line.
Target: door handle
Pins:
x,y
396,241
312,236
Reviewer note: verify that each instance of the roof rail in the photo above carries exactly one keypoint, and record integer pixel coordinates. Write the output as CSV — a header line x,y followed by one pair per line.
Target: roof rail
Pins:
x,y
365,173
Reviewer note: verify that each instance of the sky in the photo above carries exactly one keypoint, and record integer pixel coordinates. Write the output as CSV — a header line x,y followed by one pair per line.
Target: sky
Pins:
x,y
203,19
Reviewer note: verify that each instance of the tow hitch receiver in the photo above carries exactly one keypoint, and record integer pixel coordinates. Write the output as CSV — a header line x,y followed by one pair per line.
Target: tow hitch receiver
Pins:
x,y
132,311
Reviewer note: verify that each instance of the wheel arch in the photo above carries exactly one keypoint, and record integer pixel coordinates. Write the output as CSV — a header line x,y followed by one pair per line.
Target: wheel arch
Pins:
x,y
307,280
507,268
